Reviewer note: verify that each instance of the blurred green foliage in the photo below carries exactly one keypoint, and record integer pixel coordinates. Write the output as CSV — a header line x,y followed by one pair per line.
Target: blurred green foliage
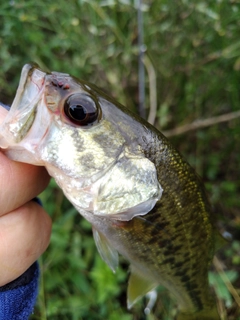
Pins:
x,y
194,49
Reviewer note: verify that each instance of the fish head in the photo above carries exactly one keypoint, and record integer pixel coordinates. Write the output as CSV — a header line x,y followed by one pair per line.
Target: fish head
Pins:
x,y
87,143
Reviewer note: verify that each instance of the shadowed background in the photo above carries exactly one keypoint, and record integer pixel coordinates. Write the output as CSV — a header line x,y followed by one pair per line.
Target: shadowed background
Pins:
x,y
192,73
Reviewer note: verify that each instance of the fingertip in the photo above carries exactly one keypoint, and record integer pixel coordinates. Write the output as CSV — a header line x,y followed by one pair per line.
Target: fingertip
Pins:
x,y
39,225
46,229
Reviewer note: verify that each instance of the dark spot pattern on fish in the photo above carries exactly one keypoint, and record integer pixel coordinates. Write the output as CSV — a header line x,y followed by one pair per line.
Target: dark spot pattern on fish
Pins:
x,y
170,260
179,264
185,278
79,141
88,160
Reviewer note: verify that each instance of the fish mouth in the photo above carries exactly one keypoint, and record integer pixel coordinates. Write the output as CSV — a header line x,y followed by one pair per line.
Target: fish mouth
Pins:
x,y
23,110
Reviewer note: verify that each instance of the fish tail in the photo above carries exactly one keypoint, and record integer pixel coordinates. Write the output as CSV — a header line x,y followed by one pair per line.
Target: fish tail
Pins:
x,y
206,314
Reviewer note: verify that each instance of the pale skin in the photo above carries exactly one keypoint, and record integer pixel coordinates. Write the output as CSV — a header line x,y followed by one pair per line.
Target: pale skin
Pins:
x,y
25,227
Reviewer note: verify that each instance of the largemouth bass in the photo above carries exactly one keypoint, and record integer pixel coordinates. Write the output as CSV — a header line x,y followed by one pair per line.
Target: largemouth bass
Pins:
x,y
142,199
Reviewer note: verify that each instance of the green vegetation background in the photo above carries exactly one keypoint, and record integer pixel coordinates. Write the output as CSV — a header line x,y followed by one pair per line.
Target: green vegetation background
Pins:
x,y
193,48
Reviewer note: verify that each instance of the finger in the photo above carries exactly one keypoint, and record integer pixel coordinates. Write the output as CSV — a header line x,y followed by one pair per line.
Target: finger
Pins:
x,y
19,182
24,236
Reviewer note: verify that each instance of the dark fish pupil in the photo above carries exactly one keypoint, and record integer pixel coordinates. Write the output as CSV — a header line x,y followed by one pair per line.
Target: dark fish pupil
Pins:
x,y
77,112
82,109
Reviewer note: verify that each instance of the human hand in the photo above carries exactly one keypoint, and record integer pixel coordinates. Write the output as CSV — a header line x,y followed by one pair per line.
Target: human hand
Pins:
x,y
25,227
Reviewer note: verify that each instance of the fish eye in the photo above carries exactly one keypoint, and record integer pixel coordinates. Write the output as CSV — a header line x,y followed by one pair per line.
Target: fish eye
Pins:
x,y
81,109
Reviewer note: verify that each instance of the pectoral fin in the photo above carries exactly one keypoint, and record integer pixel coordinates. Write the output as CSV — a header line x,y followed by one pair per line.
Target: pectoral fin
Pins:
x,y
138,286
106,251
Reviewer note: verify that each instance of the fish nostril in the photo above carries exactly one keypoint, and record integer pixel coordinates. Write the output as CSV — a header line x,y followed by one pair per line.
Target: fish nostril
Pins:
x,y
54,83
60,84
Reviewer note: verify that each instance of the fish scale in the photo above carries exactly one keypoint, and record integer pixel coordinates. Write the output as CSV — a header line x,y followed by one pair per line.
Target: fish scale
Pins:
x,y
165,230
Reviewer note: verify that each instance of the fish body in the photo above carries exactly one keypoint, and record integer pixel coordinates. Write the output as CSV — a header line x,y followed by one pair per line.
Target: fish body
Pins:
x,y
142,198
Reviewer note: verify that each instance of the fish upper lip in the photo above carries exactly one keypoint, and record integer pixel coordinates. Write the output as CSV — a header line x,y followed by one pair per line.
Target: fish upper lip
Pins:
x,y
32,80
37,78
30,89
37,81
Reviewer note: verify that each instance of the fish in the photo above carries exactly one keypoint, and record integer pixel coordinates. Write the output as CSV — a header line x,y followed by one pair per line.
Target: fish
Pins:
x,y
143,200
